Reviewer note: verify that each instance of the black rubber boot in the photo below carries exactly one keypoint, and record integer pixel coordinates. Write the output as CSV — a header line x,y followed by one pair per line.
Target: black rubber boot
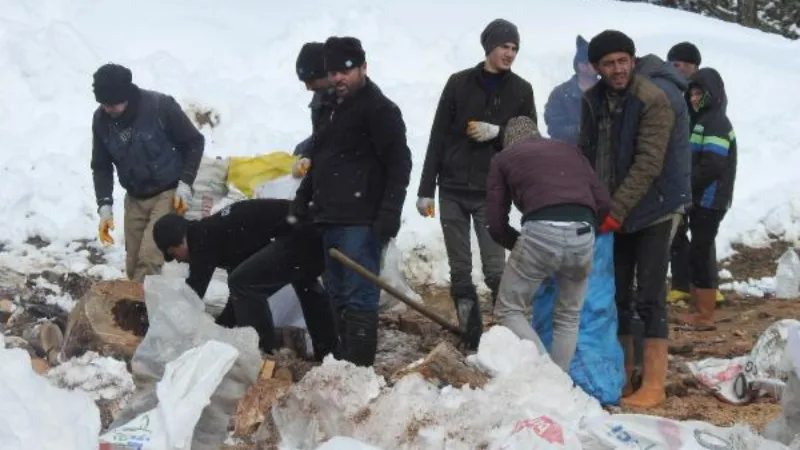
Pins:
x,y
361,337
320,321
470,319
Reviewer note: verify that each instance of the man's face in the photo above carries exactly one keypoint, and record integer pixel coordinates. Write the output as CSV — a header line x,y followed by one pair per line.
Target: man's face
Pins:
x,y
317,84
685,68
347,82
616,69
115,110
501,58
695,97
180,252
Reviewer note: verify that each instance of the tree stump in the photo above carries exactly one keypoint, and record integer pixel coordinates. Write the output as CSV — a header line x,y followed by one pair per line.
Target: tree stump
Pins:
x,y
111,319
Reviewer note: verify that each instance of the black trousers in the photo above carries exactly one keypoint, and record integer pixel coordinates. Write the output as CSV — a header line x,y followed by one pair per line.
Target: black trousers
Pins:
x,y
296,259
644,255
694,261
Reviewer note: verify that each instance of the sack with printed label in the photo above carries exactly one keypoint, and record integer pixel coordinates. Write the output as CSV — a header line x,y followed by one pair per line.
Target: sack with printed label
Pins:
x,y
537,433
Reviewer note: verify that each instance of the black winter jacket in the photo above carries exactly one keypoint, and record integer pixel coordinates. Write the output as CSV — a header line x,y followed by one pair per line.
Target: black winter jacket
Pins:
x,y
153,146
226,239
713,144
455,161
361,163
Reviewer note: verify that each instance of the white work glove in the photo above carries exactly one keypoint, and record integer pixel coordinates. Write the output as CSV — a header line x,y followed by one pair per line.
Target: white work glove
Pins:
x,y
106,224
300,167
425,206
183,194
482,131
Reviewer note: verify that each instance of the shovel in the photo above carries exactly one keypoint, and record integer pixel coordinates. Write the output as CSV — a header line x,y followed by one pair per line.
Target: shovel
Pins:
x,y
422,309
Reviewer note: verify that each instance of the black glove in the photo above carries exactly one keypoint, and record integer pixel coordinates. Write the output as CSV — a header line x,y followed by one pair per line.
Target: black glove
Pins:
x,y
299,209
386,226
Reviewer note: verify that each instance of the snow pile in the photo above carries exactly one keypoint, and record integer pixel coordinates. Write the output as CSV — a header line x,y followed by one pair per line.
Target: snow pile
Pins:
x,y
36,414
101,377
338,398
203,55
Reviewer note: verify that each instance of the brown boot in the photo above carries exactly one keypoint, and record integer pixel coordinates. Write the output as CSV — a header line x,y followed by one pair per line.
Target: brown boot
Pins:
x,y
626,341
705,302
651,394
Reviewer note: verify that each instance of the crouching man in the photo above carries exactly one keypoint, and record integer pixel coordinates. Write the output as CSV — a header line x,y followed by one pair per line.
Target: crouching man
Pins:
x,y
262,252
560,198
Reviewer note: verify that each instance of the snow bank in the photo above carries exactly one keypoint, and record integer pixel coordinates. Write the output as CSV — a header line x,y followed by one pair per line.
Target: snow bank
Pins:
x,y
101,377
36,414
340,399
238,61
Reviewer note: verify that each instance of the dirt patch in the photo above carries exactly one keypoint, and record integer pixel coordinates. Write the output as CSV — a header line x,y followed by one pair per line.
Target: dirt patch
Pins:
x,y
37,241
131,316
755,262
204,116
96,256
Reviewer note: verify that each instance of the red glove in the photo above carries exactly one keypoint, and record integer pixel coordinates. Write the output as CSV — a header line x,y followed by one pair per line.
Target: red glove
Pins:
x,y
609,224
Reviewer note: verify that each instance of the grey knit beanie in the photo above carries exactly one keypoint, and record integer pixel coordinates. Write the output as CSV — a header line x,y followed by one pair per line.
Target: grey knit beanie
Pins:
x,y
519,128
497,33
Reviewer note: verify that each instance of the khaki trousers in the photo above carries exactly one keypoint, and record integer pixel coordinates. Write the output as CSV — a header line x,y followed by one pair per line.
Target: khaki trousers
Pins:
x,y
142,256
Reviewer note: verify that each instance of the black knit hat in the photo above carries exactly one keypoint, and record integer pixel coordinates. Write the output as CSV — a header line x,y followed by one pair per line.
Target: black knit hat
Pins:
x,y
343,53
311,61
684,52
497,33
169,231
610,41
113,84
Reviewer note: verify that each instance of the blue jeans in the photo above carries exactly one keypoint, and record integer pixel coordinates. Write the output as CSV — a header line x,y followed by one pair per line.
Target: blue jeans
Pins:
x,y
348,289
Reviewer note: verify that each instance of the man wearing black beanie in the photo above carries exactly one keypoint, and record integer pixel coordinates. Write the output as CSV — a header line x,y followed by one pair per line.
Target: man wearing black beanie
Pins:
x,y
562,112
685,56
156,151
355,190
467,131
626,125
310,68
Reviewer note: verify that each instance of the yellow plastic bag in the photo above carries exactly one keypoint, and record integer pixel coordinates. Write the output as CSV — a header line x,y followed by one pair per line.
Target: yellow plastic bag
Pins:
x,y
247,172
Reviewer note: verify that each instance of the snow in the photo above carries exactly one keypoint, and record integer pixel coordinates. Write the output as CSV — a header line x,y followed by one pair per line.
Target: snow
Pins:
x,y
239,62
103,378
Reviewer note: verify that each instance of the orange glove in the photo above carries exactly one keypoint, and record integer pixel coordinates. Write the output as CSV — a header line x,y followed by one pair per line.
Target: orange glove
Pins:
x,y
609,224
183,194
106,225
300,168
425,207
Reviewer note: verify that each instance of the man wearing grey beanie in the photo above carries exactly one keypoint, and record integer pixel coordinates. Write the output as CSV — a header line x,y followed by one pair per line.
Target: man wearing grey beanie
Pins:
x,y
473,109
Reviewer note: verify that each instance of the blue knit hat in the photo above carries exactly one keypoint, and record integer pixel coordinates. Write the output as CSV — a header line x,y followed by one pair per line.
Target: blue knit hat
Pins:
x,y
581,52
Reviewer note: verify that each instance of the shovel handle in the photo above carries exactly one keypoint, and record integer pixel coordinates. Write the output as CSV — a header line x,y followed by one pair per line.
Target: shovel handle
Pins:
x,y
422,309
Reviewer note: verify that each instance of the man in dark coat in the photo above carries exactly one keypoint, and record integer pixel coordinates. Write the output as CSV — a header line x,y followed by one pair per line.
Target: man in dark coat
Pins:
x,y
156,151
355,190
627,125
262,252
562,113
467,129
686,59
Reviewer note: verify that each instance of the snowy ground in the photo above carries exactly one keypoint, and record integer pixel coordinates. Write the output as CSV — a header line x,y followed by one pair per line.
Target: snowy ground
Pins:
x,y
239,61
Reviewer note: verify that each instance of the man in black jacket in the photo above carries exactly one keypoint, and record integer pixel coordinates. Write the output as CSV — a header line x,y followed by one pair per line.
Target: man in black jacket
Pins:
x,y
467,131
355,190
253,241
156,150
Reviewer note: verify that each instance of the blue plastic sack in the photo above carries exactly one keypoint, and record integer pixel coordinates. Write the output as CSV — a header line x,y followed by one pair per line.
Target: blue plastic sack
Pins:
x,y
598,364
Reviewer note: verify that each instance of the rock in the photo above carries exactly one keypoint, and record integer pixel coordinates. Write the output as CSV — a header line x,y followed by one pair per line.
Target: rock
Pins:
x,y
253,409
47,339
18,342
111,319
39,365
7,308
738,333
446,365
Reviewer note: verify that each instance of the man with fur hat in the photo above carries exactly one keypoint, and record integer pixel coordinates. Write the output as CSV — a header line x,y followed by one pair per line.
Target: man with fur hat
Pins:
x,y
355,190
562,113
560,199
310,68
626,125
467,132
156,151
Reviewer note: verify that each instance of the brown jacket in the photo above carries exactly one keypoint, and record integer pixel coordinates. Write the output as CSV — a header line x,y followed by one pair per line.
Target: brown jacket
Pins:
x,y
642,123
538,174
